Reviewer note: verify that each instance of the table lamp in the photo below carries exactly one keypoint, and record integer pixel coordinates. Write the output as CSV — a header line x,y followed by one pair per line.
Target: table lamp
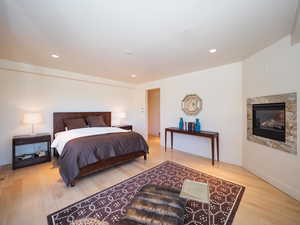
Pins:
x,y
33,119
122,115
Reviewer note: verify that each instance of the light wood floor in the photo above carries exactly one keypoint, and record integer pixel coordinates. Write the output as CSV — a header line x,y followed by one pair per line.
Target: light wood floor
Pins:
x,y
28,195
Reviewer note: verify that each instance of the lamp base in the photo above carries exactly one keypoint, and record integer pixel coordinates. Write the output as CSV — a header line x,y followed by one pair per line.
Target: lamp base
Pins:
x,y
32,130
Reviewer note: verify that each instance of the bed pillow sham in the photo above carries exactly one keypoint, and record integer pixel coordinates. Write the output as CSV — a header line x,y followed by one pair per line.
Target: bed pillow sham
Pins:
x,y
75,123
96,121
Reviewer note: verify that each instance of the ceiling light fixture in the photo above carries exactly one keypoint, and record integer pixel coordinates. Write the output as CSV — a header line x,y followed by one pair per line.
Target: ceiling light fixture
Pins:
x,y
133,75
212,50
128,52
55,56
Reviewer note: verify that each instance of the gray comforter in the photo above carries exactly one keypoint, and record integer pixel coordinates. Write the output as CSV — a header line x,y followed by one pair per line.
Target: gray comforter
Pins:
x,y
84,151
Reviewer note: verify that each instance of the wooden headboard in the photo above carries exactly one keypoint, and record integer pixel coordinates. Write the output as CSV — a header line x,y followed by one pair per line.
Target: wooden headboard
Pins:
x,y
59,117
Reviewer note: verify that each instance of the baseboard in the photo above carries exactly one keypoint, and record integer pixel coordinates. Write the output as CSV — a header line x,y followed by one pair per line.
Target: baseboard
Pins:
x,y
5,166
294,193
206,157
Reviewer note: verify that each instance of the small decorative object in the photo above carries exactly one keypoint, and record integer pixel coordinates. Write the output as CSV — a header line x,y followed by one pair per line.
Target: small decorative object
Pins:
x,y
191,104
181,123
25,156
32,119
191,126
196,191
41,153
197,125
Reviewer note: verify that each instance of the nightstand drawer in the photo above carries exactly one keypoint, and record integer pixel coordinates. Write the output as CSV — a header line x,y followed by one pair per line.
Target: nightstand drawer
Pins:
x,y
24,141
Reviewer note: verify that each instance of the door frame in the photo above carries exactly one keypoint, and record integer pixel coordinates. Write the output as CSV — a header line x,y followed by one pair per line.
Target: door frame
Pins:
x,y
161,111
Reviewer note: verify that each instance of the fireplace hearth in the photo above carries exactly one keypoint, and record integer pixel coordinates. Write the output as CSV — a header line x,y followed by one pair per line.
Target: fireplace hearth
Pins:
x,y
269,121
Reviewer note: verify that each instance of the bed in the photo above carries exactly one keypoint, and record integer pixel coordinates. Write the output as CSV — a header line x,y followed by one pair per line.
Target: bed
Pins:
x,y
81,152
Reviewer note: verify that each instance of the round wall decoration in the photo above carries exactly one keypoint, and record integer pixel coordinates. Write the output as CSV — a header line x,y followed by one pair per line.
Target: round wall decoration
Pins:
x,y
191,104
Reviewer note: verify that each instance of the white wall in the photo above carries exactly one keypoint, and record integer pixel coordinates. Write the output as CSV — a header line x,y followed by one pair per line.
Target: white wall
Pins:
x,y
220,90
274,70
24,91
154,112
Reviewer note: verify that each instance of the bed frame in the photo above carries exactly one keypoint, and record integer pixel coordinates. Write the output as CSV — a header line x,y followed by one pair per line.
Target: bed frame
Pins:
x,y
58,126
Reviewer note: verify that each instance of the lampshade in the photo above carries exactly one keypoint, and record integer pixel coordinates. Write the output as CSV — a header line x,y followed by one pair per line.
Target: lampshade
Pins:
x,y
122,115
32,118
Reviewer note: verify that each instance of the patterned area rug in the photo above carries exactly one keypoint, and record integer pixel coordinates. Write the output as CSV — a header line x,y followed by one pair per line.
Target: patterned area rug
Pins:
x,y
109,205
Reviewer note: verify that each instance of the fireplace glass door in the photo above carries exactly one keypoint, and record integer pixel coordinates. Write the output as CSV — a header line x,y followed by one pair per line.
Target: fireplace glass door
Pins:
x,y
269,121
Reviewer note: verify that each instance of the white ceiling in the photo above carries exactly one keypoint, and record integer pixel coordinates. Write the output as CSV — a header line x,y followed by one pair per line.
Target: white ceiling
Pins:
x,y
152,39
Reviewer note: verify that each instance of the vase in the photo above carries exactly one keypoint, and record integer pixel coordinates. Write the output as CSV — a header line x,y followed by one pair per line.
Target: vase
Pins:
x,y
181,123
198,126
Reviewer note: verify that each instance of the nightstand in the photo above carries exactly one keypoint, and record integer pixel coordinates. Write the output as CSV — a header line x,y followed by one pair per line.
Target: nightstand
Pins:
x,y
125,127
30,150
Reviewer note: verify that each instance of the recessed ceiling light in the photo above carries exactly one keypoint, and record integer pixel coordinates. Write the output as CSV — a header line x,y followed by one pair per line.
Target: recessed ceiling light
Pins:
x,y
212,50
128,52
133,75
55,56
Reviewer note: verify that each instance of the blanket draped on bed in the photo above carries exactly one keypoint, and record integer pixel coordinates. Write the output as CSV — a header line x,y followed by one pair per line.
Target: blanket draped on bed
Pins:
x,y
84,151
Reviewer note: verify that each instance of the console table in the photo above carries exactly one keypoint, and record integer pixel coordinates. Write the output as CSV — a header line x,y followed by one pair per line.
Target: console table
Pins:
x,y
207,134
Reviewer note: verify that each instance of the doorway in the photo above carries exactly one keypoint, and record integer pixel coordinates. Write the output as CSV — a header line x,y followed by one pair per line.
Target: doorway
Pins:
x,y
153,97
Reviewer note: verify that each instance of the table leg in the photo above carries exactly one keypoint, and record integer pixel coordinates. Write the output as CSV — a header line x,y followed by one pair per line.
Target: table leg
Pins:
x,y
213,151
209,223
171,140
165,141
218,148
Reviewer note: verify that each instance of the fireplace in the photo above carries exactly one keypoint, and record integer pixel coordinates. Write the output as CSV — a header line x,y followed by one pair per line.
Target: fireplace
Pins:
x,y
272,121
269,121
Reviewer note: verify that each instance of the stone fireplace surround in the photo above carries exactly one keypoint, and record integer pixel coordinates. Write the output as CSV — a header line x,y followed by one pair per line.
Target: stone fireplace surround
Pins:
x,y
290,100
